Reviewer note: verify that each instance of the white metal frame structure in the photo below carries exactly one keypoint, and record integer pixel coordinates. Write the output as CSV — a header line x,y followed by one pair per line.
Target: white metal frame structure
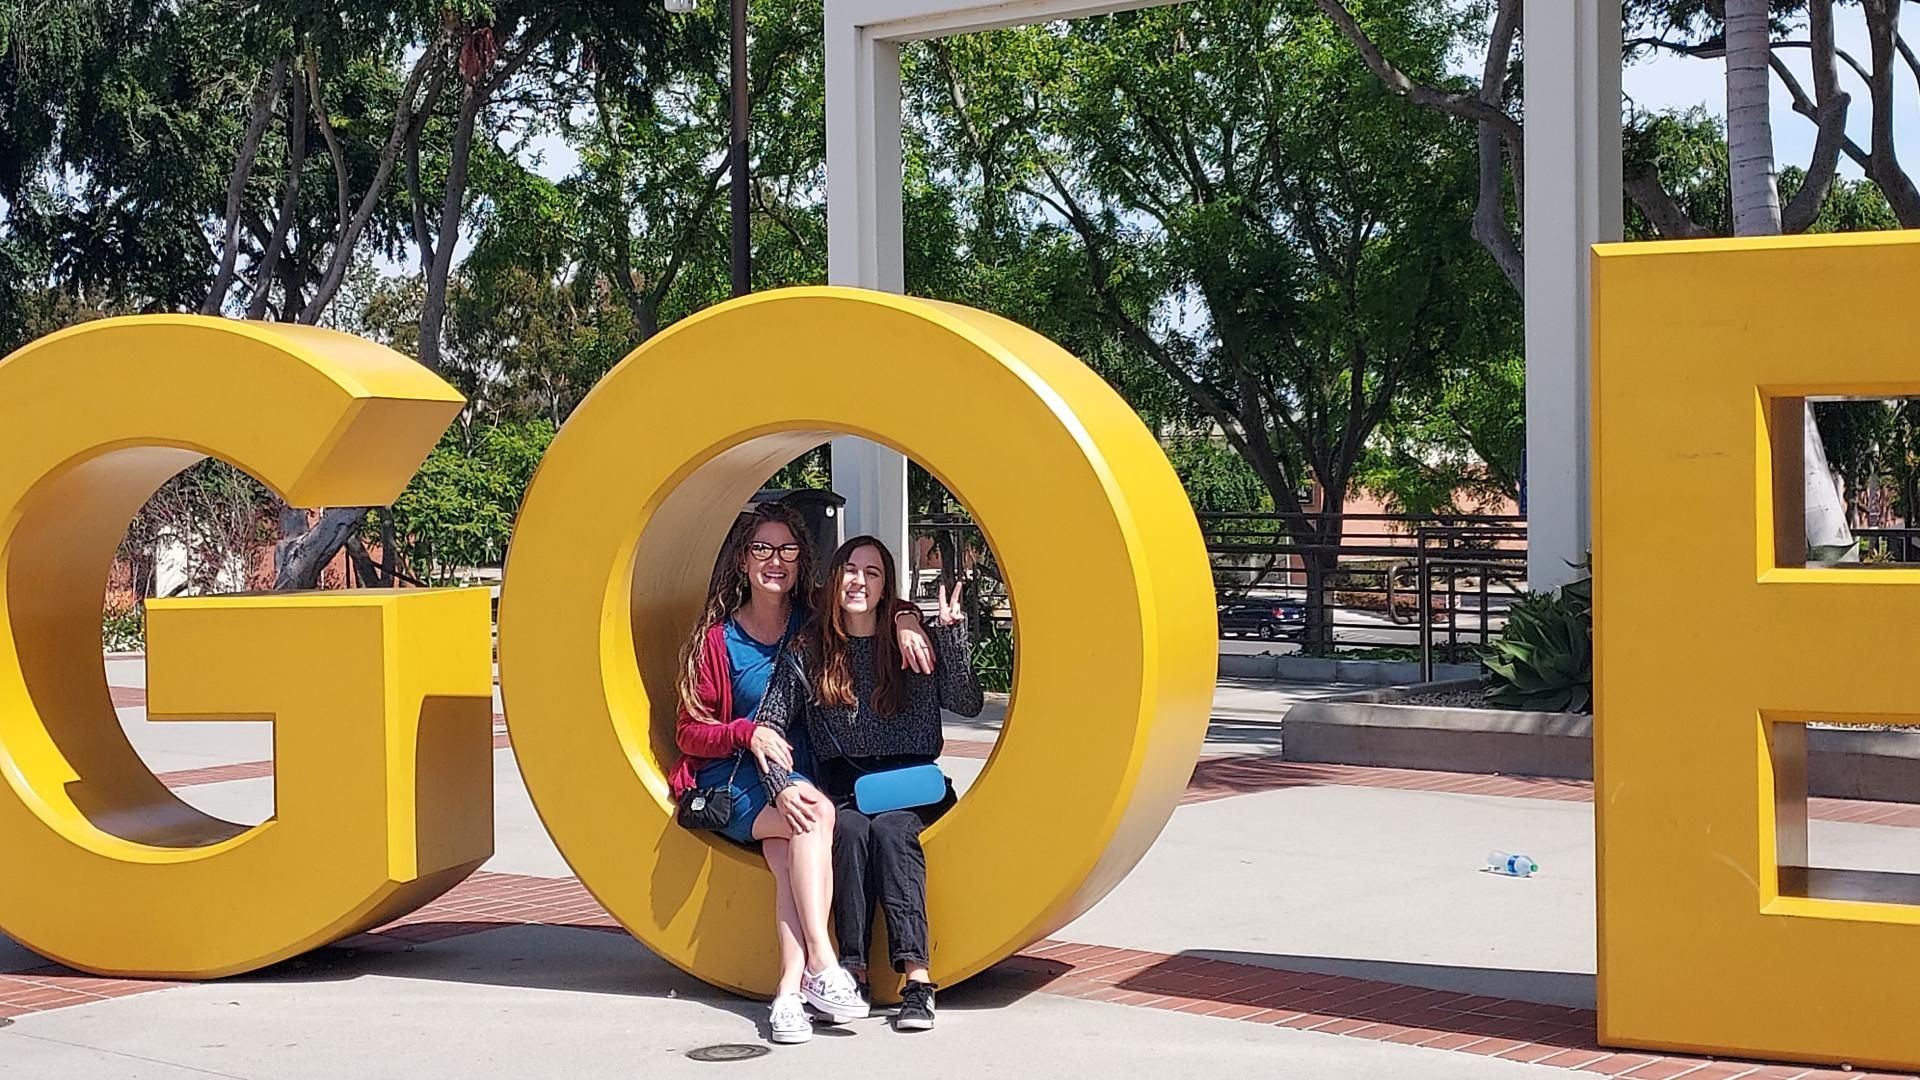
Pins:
x,y
1572,200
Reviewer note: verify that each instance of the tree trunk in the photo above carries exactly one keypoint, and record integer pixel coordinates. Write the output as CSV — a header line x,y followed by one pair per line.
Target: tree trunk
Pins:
x,y
480,80
363,565
1321,533
1756,212
1826,512
142,565
264,102
352,228
389,556
1756,196
299,561
1884,169
433,310
1909,501
289,207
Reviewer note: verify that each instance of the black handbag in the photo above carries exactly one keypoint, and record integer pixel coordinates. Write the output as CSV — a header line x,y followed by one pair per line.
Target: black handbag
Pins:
x,y
709,808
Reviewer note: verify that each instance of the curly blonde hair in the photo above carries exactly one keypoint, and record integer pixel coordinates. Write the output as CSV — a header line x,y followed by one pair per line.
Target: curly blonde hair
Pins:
x,y
729,589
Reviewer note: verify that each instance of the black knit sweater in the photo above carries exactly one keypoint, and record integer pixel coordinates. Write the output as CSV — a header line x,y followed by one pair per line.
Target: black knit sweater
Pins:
x,y
857,733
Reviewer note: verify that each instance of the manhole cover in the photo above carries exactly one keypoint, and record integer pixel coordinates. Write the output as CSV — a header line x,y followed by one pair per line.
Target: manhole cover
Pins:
x,y
728,1052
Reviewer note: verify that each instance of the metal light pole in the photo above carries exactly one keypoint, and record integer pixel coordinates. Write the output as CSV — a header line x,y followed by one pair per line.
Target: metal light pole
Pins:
x,y
742,235
737,147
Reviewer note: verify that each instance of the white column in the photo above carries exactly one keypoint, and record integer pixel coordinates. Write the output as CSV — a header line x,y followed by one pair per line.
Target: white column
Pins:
x,y
865,242
1572,201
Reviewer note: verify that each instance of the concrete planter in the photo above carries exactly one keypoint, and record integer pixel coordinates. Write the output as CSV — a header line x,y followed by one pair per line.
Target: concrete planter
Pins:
x,y
1883,766
1332,669
1370,729
1374,729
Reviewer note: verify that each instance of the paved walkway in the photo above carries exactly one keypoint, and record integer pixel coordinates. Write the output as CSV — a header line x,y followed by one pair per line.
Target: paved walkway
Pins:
x,y
1320,921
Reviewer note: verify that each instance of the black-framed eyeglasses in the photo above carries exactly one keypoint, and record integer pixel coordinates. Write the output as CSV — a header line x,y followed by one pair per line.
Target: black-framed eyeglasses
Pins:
x,y
762,551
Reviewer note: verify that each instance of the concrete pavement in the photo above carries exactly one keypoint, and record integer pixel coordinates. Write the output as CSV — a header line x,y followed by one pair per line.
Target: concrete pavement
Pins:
x,y
1317,873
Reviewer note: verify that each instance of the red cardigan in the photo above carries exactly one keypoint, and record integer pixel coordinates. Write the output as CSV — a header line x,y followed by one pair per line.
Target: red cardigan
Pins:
x,y
702,743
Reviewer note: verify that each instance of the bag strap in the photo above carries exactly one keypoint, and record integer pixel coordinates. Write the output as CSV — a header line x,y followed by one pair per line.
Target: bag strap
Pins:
x,y
782,647
851,764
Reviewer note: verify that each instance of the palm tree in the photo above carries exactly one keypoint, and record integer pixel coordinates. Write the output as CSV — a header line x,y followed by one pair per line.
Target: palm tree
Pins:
x,y
1756,212
1756,196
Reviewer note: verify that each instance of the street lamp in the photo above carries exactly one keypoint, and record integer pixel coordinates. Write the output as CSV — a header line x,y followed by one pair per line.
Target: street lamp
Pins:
x,y
742,235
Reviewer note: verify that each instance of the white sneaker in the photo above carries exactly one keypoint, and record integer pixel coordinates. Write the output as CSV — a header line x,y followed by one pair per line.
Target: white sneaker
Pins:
x,y
834,994
788,1020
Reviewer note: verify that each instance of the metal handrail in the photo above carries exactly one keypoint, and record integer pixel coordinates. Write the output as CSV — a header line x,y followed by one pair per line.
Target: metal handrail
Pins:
x,y
1370,564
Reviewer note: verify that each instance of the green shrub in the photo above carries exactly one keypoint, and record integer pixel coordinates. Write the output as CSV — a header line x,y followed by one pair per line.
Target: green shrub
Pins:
x,y
993,658
1543,660
123,629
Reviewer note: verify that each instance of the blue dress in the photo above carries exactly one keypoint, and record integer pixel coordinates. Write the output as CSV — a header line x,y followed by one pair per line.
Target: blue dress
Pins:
x,y
750,665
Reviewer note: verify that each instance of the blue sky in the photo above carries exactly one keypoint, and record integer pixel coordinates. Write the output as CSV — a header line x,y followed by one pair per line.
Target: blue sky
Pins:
x,y
1678,82
1660,83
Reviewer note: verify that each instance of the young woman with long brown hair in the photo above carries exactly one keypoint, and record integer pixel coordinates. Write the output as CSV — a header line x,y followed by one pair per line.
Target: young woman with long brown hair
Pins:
x,y
755,608
865,718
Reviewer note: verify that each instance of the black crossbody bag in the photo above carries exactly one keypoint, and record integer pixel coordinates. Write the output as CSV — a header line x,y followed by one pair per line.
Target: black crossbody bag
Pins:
x,y
711,808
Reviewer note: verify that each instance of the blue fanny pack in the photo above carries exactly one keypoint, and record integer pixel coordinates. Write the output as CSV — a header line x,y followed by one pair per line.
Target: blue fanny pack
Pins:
x,y
899,789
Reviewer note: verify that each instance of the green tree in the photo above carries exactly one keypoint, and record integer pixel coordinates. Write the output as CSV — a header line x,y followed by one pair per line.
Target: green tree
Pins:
x,y
1240,160
459,509
1461,435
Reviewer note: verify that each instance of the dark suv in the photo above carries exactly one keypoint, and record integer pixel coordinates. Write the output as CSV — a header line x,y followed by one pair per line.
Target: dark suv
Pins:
x,y
1269,620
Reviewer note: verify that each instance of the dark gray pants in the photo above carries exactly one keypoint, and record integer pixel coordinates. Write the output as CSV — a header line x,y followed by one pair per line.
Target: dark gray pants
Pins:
x,y
877,862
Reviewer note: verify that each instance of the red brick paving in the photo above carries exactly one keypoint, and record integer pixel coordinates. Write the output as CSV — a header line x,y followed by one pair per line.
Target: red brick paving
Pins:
x,y
1335,1005
1512,1030
216,774
50,986
1547,1035
1225,777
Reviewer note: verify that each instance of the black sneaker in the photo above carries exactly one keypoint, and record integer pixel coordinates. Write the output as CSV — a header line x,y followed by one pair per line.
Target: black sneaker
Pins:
x,y
916,1008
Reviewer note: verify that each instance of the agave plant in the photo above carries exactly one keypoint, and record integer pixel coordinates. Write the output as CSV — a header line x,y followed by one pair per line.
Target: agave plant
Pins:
x,y
1543,660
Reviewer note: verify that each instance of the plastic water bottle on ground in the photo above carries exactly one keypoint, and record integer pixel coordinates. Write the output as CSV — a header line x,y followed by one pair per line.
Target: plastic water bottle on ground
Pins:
x,y
1501,862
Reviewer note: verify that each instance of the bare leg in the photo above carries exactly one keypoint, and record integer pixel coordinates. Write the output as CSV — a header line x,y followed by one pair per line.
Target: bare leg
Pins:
x,y
786,917
810,875
812,869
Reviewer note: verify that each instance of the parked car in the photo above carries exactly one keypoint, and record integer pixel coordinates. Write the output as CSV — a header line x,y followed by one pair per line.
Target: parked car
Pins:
x,y
1269,620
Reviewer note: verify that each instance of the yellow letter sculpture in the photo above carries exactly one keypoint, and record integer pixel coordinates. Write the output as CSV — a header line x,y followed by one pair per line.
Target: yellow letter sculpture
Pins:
x,y
381,701
1715,644
1112,597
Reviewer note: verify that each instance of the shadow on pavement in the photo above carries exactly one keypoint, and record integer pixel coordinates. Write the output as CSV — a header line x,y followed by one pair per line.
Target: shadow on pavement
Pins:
x,y
15,957
1341,996
1251,734
588,960
1570,989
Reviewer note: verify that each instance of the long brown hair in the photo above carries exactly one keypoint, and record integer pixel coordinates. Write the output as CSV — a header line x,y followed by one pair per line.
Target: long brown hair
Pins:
x,y
729,590
827,643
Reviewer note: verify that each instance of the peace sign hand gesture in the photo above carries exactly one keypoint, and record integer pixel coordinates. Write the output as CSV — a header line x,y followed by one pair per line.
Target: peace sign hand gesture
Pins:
x,y
952,611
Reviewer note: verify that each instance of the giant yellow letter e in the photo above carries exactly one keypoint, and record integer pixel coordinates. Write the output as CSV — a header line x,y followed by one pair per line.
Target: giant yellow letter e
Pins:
x,y
1715,643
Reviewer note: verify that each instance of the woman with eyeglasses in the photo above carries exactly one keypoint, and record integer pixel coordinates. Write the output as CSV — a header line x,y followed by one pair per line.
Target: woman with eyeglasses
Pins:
x,y
755,608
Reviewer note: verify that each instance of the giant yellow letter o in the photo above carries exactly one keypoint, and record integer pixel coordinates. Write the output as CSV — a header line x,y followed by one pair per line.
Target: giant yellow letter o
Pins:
x,y
1113,606
381,701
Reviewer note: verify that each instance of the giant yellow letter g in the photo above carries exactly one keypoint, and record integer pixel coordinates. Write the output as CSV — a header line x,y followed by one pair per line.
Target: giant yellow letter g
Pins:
x,y
381,702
